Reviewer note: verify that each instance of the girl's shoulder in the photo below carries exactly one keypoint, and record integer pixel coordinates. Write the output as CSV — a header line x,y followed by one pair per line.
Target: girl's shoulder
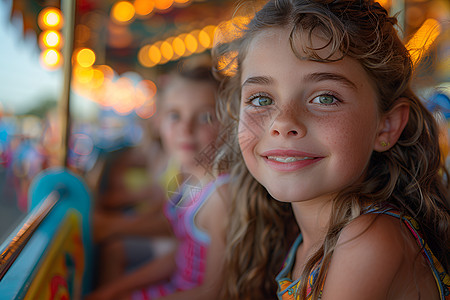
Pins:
x,y
214,212
380,258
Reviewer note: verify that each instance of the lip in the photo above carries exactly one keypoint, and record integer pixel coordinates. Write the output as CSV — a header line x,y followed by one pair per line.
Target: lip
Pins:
x,y
187,147
289,166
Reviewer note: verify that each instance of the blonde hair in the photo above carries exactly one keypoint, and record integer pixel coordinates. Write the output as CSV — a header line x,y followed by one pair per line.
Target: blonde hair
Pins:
x,y
408,176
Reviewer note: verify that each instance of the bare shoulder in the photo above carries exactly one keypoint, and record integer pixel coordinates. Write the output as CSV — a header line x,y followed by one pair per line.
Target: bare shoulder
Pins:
x,y
214,212
377,258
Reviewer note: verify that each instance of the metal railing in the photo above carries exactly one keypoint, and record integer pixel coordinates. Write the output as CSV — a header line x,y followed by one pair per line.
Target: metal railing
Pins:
x,y
29,226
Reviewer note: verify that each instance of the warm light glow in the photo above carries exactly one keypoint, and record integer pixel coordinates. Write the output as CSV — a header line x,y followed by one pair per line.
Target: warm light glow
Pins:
x,y
178,46
170,40
191,43
147,110
211,31
227,64
166,50
97,79
163,4
85,57
144,57
50,39
148,87
424,37
154,54
230,30
51,59
144,7
50,18
122,11
182,1
123,101
107,71
385,3
83,75
205,39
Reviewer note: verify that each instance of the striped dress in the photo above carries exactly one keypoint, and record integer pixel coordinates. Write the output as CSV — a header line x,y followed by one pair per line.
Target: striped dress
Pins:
x,y
287,287
193,243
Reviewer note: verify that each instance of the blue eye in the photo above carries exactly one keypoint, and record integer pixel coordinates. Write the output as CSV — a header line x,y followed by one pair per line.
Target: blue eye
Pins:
x,y
205,118
261,100
173,116
325,100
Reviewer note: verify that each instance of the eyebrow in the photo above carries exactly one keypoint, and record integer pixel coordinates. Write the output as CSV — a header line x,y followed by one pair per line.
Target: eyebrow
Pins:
x,y
322,76
262,80
330,76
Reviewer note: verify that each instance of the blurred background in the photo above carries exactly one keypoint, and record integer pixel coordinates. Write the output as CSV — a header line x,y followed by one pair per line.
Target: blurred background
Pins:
x,y
120,49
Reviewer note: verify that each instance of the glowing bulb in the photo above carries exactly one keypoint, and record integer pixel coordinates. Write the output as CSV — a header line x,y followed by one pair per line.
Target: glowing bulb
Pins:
x,y
50,18
51,59
50,39
85,57
122,11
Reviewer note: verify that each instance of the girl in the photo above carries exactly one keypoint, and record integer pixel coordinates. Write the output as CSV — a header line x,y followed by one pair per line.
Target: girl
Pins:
x,y
197,208
328,123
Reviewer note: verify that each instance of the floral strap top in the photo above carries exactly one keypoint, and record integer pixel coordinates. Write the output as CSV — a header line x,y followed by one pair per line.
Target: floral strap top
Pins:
x,y
287,287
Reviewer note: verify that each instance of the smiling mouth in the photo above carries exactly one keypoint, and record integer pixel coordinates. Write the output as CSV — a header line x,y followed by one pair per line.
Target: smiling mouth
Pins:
x,y
288,159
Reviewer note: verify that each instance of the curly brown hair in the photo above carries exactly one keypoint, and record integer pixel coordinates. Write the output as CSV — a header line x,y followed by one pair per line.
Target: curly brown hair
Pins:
x,y
409,176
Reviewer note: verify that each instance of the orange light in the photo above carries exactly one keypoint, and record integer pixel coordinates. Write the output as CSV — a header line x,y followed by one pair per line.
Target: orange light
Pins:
x,y
50,18
423,39
122,12
163,4
50,39
178,46
144,57
144,7
166,50
51,59
154,54
182,1
191,43
227,64
85,57
83,75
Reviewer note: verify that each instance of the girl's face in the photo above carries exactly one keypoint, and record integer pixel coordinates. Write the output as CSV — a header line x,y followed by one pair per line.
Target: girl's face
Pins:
x,y
188,121
307,129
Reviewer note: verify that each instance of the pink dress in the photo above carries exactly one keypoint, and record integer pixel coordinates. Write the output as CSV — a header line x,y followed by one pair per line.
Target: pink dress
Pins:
x,y
193,243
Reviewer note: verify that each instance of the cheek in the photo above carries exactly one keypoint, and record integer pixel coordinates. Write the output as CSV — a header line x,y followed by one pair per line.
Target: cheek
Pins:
x,y
251,128
207,135
167,135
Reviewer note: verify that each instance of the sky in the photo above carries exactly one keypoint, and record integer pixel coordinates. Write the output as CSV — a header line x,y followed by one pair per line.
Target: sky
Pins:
x,y
23,82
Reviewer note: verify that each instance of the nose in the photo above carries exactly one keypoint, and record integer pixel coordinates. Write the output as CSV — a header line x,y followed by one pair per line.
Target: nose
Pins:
x,y
188,126
288,124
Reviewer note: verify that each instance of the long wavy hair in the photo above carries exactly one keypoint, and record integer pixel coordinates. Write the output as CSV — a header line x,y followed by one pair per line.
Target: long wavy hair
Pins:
x,y
410,175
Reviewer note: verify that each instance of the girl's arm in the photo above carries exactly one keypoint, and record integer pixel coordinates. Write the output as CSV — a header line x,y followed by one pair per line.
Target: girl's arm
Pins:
x,y
156,270
211,218
377,258
150,223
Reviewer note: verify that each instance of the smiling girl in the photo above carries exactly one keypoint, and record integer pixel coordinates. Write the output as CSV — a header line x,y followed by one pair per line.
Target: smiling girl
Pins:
x,y
327,125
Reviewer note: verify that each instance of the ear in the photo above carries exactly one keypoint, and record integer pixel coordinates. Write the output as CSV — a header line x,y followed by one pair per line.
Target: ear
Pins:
x,y
391,125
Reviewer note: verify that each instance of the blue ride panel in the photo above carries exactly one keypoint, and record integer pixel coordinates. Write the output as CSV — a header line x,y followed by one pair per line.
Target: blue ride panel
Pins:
x,y
57,260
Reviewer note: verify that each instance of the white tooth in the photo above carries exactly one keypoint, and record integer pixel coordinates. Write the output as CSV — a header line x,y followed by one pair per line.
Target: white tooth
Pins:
x,y
287,159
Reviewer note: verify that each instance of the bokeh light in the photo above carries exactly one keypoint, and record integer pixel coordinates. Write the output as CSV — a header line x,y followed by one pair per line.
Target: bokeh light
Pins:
x,y
51,59
423,39
122,12
50,39
50,18
163,5
144,7
85,57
